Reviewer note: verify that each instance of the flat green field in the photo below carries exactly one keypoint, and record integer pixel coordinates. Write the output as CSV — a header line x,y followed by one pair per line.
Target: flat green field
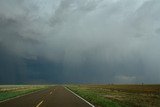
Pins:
x,y
119,95
10,91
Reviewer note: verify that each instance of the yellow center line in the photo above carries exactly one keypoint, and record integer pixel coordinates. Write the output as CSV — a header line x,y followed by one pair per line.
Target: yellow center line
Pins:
x,y
39,103
50,92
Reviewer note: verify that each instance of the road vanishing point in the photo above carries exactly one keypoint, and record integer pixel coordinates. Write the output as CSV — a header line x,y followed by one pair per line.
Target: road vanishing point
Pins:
x,y
56,96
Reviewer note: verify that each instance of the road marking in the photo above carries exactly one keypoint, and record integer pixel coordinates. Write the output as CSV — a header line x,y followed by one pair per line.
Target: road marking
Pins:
x,y
50,93
20,96
80,97
39,103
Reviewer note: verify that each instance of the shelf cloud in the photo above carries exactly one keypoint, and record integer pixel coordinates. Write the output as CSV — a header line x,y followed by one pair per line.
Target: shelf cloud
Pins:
x,y
79,41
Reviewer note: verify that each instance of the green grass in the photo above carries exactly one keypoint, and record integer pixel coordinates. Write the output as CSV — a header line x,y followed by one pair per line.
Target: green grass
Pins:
x,y
93,97
7,94
125,95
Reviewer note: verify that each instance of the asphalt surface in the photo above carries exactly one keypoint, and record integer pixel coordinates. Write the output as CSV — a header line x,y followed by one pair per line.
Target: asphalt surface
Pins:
x,y
56,96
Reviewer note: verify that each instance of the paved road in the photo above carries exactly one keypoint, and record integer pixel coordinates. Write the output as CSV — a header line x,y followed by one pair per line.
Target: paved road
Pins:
x,y
56,96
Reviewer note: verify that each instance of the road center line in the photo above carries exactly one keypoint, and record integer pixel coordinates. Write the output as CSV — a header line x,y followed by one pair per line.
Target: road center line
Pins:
x,y
39,103
50,93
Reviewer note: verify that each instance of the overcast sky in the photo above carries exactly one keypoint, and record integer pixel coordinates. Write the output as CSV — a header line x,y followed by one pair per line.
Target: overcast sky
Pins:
x,y
79,41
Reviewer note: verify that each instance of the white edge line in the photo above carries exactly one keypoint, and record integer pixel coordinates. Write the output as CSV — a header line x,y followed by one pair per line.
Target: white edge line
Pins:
x,y
39,103
19,96
80,97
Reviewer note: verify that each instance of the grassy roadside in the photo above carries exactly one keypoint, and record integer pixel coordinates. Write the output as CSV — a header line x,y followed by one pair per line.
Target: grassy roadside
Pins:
x,y
124,95
94,98
8,92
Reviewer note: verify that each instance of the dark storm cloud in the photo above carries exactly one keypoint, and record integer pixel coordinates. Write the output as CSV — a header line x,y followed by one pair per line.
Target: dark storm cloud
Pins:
x,y
96,41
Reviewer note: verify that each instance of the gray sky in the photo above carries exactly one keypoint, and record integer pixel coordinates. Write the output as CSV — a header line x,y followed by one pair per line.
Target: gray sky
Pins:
x,y
79,41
